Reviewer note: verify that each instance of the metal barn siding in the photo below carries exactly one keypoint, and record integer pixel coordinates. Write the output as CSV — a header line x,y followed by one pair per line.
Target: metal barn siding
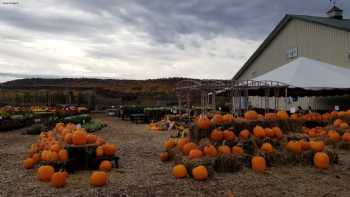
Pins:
x,y
312,40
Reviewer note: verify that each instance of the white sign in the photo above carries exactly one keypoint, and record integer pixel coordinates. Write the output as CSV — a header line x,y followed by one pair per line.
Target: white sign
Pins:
x,y
292,110
292,52
336,108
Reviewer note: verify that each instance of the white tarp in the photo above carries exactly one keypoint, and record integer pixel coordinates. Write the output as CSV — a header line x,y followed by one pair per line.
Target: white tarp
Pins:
x,y
309,74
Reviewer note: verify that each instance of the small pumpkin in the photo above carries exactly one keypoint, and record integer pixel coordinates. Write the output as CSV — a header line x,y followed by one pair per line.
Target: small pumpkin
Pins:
x,y
294,146
169,144
237,150
195,154
200,173
321,160
216,135
105,166
181,142
109,149
269,133
91,138
55,147
63,155
179,171
346,137
164,156
244,134
98,178
251,115
270,116
28,163
203,122
224,149
68,138
36,157
45,172
259,132
317,146
267,148
58,179
228,118
79,137
188,147
305,145
229,135
334,136
210,151
277,132
258,163
217,119
282,115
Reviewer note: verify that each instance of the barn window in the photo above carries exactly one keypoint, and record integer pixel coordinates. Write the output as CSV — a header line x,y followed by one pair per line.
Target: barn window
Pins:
x,y
292,53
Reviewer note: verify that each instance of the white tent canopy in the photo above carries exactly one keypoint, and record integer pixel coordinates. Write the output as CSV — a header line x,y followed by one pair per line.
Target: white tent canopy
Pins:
x,y
309,74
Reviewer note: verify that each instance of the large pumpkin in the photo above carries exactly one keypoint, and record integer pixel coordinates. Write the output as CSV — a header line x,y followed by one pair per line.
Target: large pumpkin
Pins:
x,y
267,148
294,146
188,147
200,173
282,115
181,142
334,136
98,178
195,154
317,146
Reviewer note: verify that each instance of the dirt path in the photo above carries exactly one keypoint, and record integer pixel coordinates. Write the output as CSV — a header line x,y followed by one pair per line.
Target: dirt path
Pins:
x,y
141,173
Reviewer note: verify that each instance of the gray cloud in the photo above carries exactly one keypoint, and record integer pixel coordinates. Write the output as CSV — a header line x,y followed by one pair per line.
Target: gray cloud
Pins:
x,y
140,38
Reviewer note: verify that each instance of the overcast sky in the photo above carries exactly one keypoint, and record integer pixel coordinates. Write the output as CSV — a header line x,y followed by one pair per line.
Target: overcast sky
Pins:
x,y
138,39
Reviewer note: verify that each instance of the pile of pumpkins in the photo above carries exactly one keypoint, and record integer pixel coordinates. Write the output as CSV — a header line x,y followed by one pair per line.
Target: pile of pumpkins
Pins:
x,y
50,149
218,145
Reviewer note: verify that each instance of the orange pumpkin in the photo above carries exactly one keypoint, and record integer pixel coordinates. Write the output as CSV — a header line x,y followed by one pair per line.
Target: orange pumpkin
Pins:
x,y
344,125
216,135
282,115
267,148
277,132
98,178
321,160
195,154
100,141
169,144
237,150
164,156
109,149
270,116
258,163
105,166
217,119
334,136
188,147
317,146
346,137
36,157
305,145
244,134
53,156
45,172
224,149
200,173
181,142
210,151
179,171
68,138
91,138
55,147
63,155
229,135
28,163
251,115
79,137
228,118
269,133
259,132
294,146
46,155
58,179
337,123
203,122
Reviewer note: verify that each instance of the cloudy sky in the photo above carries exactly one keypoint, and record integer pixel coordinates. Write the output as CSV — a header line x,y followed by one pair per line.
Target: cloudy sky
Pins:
x,y
138,39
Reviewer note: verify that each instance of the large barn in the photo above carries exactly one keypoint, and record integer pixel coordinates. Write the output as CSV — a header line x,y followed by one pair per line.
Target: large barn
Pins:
x,y
323,39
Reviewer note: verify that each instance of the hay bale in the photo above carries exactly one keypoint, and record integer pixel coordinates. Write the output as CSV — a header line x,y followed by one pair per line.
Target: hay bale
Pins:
x,y
208,162
228,163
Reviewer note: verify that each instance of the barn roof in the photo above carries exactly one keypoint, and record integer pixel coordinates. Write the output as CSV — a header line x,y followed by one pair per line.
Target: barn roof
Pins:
x,y
343,24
